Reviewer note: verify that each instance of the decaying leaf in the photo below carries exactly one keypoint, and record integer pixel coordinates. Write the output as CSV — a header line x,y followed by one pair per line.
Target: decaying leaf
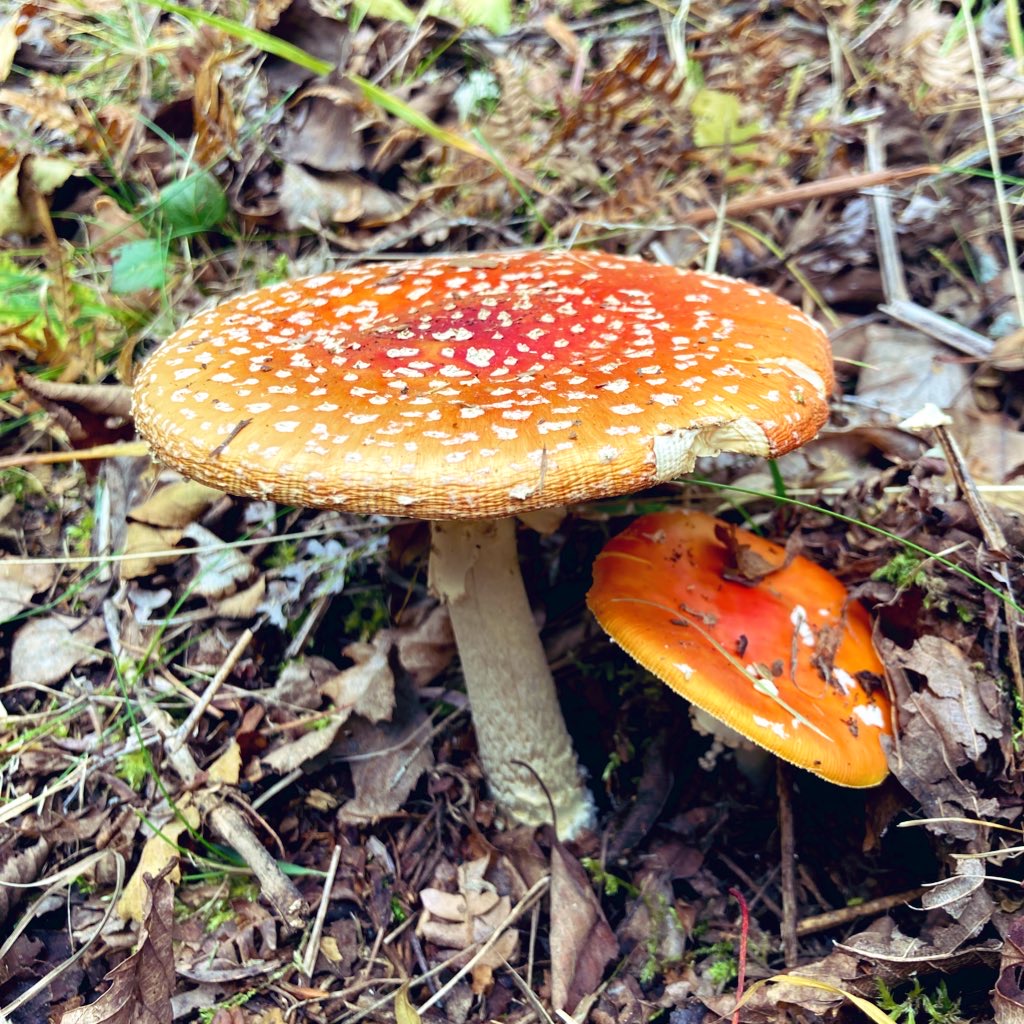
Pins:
x,y
175,505
141,986
149,548
159,857
1008,998
950,715
219,570
461,920
366,689
582,943
45,650
18,869
19,583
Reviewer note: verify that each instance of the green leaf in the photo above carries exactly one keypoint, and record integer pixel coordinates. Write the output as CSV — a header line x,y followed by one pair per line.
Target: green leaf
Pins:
x,y
494,15
192,205
386,10
138,266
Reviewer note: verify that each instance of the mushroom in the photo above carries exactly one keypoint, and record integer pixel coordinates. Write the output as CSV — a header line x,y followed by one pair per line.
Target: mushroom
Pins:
x,y
470,389
772,647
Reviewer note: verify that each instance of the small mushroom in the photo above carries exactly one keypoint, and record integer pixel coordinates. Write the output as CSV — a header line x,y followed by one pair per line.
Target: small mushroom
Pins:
x,y
778,651
470,389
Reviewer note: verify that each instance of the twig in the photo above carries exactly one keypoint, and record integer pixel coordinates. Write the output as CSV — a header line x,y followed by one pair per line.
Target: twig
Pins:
x,y
990,529
231,827
787,861
941,328
185,729
752,885
100,451
890,262
313,940
804,193
1005,218
844,915
898,303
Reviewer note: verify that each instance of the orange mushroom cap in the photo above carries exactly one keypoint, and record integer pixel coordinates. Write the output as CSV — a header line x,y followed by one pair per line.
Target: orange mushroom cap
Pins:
x,y
456,387
786,661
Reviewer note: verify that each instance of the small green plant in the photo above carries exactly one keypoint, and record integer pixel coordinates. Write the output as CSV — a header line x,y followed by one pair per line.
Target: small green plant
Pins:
x,y
134,767
902,570
918,1006
188,206
611,884
722,965
367,615
79,535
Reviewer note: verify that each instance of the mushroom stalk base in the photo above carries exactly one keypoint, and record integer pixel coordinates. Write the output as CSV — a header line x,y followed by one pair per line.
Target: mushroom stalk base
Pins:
x,y
474,570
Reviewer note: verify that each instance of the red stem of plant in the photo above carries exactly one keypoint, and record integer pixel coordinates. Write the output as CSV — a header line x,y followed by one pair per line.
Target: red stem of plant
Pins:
x,y
741,959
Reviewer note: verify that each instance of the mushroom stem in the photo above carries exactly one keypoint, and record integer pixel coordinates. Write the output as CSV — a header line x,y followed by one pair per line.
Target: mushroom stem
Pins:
x,y
474,570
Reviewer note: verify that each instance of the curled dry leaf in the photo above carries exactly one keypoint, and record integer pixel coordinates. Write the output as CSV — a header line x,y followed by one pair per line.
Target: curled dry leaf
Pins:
x,y
1008,998
19,868
149,548
160,856
46,650
90,414
459,921
219,570
367,688
582,943
176,505
391,757
140,986
949,715
20,582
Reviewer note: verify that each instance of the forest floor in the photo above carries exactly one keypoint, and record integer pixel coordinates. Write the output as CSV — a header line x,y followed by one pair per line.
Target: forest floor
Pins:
x,y
195,825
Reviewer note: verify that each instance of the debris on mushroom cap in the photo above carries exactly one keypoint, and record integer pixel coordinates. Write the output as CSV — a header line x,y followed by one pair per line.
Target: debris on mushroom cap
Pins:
x,y
787,661
481,385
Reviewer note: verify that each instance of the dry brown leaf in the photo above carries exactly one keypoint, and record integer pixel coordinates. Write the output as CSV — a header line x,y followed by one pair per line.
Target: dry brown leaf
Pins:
x,y
392,757
141,986
216,124
175,505
949,717
19,869
46,650
159,856
9,32
19,583
322,200
906,370
426,646
582,943
90,414
1008,352
219,569
244,604
368,687
110,227
142,543
228,767
323,133
1008,998
458,921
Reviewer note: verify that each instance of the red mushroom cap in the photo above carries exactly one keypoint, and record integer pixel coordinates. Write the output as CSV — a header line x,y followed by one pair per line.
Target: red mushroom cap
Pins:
x,y
481,385
786,662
